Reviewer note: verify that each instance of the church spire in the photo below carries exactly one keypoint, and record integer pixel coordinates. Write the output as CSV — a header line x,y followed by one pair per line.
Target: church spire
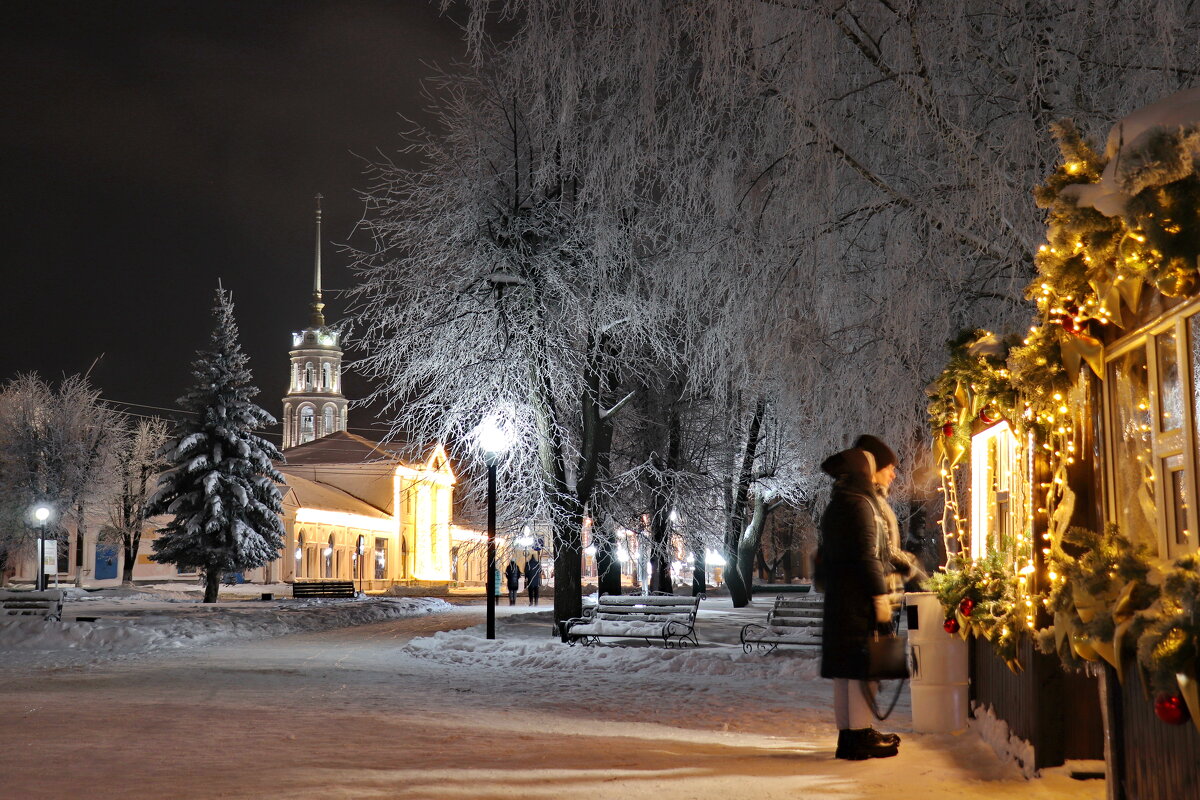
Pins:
x,y
318,318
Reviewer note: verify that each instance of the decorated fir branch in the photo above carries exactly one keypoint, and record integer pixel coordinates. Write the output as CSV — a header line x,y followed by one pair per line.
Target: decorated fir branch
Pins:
x,y
980,598
1098,583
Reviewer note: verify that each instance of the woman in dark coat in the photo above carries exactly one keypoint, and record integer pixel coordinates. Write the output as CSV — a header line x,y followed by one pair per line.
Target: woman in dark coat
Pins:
x,y
853,548
512,574
533,578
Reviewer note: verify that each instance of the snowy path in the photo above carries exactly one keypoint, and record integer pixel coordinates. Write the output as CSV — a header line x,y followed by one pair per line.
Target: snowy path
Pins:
x,y
389,710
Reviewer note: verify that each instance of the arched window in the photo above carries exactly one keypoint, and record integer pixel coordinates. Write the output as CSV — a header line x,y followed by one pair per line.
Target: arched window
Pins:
x,y
295,377
306,424
329,558
328,428
359,550
308,376
300,556
326,377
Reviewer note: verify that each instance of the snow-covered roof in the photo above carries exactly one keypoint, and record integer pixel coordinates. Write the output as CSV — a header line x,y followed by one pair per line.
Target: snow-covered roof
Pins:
x,y
306,493
1155,145
341,447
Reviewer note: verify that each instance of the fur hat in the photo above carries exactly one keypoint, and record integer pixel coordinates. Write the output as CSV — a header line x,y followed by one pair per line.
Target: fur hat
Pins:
x,y
884,455
856,461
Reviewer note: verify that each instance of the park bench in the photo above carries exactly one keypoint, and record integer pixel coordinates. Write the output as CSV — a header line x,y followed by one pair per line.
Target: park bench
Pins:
x,y
48,604
665,618
323,589
792,620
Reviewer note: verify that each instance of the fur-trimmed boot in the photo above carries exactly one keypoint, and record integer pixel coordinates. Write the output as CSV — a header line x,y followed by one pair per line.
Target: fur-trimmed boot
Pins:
x,y
861,744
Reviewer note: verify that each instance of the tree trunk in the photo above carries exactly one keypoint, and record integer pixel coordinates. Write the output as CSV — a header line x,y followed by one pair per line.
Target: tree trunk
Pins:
x,y
737,576
699,583
568,567
212,585
130,545
608,564
80,538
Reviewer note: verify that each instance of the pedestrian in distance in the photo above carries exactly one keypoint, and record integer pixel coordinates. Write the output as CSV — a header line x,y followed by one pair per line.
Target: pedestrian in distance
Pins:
x,y
512,574
856,566
533,579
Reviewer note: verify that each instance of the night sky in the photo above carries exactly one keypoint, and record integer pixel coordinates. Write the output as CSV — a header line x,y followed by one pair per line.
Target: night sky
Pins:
x,y
154,147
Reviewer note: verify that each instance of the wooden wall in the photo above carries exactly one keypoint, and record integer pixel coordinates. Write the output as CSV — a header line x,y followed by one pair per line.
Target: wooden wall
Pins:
x,y
1150,760
1055,711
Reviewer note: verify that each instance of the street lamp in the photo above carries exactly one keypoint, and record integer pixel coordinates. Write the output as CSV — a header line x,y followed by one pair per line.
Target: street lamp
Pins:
x,y
493,442
41,513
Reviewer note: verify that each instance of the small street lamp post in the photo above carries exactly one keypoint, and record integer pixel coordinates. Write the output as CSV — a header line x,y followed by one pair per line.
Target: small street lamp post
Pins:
x,y
41,513
493,443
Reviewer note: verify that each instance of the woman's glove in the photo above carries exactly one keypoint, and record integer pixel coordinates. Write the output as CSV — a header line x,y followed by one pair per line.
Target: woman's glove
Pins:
x,y
883,609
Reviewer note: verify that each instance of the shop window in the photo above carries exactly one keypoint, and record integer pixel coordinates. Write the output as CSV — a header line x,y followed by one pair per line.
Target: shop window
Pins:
x,y
300,557
329,558
380,558
1132,467
1152,434
999,494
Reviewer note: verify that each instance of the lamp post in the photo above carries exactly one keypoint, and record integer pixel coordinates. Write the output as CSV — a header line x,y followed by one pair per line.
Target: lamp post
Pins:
x,y
41,513
493,443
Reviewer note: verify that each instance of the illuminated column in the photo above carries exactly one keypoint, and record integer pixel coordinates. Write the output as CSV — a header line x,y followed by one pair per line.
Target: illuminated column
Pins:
x,y
422,544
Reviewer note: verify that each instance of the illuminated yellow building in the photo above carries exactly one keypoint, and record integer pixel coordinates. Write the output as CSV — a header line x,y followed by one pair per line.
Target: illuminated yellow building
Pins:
x,y
354,511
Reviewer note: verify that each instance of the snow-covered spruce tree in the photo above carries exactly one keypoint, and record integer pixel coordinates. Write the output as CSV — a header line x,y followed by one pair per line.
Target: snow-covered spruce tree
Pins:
x,y
220,488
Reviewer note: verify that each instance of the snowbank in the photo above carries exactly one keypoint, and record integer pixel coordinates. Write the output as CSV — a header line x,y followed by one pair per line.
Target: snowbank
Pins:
x,y
469,647
135,621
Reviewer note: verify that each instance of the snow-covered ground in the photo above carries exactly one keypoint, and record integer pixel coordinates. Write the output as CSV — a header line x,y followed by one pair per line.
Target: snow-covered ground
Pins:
x,y
120,623
425,707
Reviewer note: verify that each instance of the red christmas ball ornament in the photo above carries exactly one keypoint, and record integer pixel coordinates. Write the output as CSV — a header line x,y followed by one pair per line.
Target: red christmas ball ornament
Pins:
x,y
1171,709
950,625
1067,320
989,416
966,606
947,430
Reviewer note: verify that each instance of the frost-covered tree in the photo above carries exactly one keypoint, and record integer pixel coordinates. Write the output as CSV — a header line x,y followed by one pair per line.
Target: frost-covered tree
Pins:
x,y
56,447
872,162
140,459
220,488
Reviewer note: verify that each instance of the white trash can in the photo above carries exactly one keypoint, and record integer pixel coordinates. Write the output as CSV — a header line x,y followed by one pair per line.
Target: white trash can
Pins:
x,y
939,668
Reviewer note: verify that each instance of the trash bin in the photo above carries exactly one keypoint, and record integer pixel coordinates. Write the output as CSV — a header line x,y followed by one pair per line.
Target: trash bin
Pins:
x,y
939,668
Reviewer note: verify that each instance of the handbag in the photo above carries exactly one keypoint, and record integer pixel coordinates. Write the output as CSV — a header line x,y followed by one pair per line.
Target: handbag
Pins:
x,y
886,658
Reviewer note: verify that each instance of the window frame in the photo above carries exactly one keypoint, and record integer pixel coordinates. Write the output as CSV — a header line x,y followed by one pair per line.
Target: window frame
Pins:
x,y
1164,445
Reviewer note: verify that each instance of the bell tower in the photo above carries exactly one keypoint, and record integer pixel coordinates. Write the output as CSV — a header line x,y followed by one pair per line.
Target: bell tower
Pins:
x,y
314,405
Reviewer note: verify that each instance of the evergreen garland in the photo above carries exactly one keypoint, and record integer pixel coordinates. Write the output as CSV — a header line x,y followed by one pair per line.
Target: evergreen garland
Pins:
x,y
1099,584
1170,642
981,596
220,489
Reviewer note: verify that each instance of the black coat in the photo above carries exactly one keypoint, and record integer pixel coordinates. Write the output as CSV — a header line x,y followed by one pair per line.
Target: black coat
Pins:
x,y
512,574
533,574
853,537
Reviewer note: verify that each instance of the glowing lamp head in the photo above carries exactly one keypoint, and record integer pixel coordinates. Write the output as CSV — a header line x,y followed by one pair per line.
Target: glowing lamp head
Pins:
x,y
492,440
41,513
